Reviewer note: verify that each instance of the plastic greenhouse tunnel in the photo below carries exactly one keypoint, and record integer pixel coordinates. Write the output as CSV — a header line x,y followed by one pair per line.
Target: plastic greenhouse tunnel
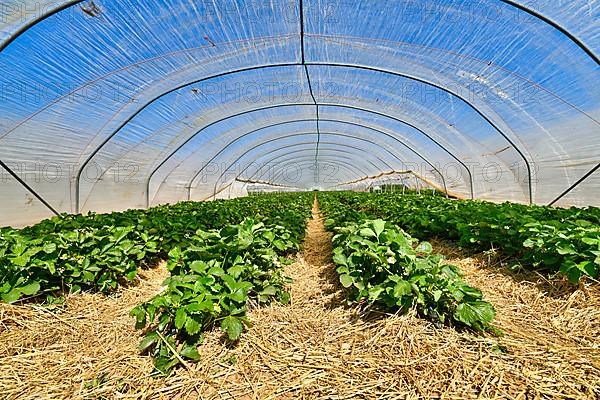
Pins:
x,y
131,131
115,105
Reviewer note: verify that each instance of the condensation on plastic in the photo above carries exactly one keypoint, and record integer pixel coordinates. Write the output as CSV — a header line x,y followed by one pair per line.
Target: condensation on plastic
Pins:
x,y
162,101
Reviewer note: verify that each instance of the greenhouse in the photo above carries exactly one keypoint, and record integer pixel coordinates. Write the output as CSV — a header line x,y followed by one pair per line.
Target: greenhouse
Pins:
x,y
312,199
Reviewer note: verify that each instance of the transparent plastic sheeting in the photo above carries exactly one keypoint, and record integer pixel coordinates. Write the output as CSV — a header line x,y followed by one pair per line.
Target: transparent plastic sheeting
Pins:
x,y
396,183
109,105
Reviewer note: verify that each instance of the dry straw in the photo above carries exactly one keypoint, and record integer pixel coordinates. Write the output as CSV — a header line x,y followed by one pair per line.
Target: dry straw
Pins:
x,y
317,347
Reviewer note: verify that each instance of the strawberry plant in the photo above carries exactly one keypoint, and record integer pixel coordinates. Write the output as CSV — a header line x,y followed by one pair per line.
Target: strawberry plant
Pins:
x,y
381,264
213,279
552,239
97,252
78,260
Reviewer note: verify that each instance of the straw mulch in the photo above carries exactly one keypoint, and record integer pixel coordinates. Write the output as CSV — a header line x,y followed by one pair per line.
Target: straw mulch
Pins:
x,y
317,347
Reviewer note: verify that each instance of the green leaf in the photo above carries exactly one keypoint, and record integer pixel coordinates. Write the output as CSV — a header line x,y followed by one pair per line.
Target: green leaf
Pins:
x,y
21,260
402,288
198,267
339,259
192,326
378,226
236,271
269,290
11,296
175,253
285,298
457,294
232,326
343,270
131,275
120,233
51,267
269,235
140,317
565,249
476,314
574,275
239,296
367,232
151,311
588,268
30,289
148,340
374,293
346,280
180,318
229,282
216,271
567,266
471,291
191,352
164,364
204,306
280,245
424,247
49,248
75,289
